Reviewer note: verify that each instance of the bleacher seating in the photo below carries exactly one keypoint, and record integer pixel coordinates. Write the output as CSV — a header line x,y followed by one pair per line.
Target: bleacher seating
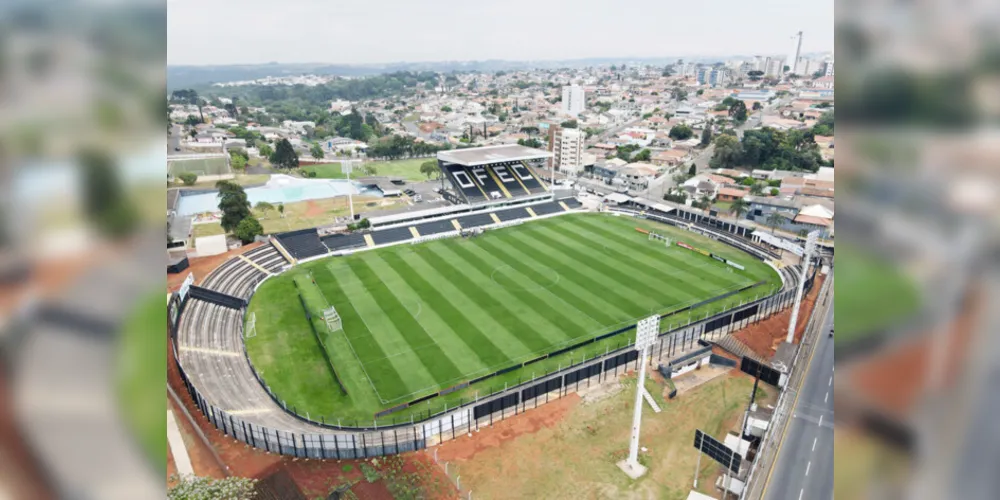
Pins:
x,y
547,208
392,235
236,277
572,202
513,214
476,220
529,178
429,228
267,257
337,242
303,243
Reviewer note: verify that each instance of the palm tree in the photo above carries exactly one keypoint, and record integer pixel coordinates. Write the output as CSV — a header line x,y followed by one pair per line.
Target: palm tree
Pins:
x,y
774,219
756,189
739,207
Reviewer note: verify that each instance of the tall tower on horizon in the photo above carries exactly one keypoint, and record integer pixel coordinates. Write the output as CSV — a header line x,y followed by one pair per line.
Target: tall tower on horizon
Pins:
x,y
793,58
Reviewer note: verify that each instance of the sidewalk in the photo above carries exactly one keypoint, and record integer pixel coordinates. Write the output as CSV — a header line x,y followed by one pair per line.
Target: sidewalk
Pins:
x,y
181,459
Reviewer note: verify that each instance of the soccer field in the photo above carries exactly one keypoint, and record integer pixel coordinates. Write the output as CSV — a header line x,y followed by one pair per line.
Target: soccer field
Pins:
x,y
201,166
421,318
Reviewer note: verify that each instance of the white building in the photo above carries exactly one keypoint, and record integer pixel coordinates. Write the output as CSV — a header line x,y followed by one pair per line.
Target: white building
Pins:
x,y
566,145
572,100
828,68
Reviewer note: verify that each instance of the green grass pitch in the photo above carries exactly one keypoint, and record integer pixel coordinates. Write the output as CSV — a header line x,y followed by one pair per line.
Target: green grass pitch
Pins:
x,y
202,166
421,318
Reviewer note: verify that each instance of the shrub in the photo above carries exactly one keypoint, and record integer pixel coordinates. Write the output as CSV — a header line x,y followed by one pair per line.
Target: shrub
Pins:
x,y
188,178
312,173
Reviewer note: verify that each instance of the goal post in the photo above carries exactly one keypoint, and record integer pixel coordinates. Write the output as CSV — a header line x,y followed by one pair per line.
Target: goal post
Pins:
x,y
332,318
659,237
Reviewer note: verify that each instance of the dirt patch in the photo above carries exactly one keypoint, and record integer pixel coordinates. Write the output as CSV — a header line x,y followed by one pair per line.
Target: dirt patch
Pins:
x,y
201,266
487,438
313,209
764,338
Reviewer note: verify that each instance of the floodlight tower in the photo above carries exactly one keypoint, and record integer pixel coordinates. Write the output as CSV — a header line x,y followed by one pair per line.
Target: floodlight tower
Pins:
x,y
346,167
645,334
806,258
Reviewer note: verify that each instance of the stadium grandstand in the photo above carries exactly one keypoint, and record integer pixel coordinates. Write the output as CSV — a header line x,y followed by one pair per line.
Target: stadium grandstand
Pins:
x,y
493,174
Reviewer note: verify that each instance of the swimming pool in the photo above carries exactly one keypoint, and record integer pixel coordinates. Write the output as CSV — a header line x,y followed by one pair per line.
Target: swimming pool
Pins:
x,y
279,189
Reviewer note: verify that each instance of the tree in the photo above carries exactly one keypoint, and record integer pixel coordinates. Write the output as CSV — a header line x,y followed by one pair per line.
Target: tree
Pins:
x,y
105,201
739,207
247,229
430,169
265,150
706,135
738,111
757,106
284,155
233,203
446,109
774,191
728,152
774,219
644,155
263,207
530,142
238,162
281,210
370,169
756,189
680,132
316,152
206,488
568,124
188,178
693,170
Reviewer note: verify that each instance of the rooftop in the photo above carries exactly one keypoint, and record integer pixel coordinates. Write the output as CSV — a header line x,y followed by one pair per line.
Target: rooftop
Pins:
x,y
492,154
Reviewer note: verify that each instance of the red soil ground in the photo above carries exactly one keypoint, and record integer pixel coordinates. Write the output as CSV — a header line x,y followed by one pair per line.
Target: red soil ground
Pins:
x,y
313,209
763,338
464,448
201,266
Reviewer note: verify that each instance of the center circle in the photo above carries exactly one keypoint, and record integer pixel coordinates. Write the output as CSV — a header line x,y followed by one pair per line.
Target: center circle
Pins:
x,y
504,275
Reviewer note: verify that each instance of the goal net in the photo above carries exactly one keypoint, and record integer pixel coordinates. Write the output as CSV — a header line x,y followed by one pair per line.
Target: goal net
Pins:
x,y
251,327
331,318
659,237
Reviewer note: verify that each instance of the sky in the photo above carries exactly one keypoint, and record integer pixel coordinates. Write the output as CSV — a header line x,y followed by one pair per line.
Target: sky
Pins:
x,y
217,32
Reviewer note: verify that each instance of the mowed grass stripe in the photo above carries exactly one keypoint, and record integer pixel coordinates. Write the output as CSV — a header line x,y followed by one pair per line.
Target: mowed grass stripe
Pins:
x,y
424,346
545,322
381,374
497,309
621,272
465,359
646,254
628,300
542,276
683,286
471,312
567,317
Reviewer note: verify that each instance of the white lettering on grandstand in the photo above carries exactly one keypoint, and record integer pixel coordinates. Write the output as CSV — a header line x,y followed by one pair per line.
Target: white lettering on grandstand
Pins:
x,y
463,179
480,174
525,175
186,286
503,174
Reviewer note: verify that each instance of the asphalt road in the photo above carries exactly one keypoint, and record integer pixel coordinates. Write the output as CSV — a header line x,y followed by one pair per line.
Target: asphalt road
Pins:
x,y
174,139
804,467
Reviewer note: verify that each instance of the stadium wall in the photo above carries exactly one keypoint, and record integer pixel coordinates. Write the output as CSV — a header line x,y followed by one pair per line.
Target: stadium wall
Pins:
x,y
345,440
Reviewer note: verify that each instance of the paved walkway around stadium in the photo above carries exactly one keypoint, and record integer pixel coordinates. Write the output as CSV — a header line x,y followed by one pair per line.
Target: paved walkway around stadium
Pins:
x,y
177,448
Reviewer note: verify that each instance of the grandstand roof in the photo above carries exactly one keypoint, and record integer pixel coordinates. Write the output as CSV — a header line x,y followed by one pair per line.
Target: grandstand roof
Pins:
x,y
492,154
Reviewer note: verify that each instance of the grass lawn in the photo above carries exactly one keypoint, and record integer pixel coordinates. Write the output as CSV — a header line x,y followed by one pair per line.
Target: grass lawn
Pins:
x,y
204,166
407,169
576,456
241,179
723,206
418,319
872,294
142,369
305,214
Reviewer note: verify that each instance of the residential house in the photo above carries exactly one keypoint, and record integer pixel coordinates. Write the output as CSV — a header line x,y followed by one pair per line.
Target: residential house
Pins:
x,y
638,175
669,158
730,194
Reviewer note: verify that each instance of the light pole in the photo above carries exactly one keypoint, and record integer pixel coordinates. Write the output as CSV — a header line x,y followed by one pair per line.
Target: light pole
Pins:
x,y
806,257
645,334
346,167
